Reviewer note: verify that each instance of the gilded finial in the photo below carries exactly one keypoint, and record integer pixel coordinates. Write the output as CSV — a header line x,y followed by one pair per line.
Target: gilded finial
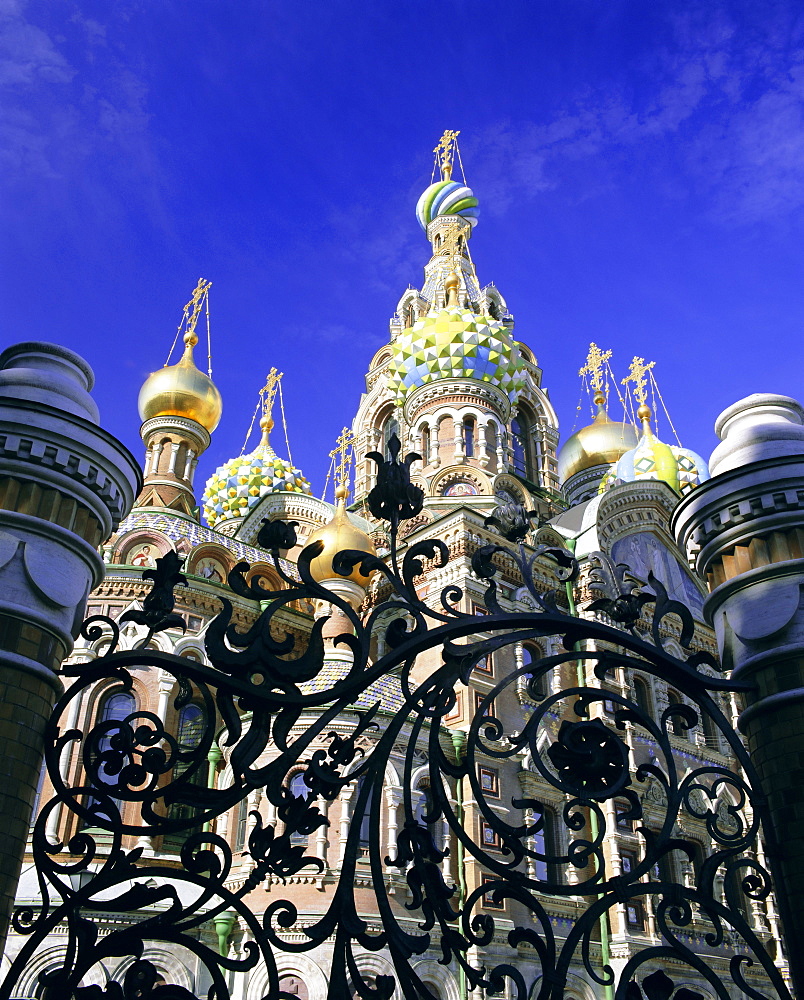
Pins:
x,y
343,459
191,313
451,286
267,394
595,360
445,153
637,374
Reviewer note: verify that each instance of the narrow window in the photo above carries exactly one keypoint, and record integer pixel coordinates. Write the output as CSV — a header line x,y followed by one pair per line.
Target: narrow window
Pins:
x,y
241,825
469,437
391,428
115,708
642,696
519,436
538,682
544,844
299,789
192,720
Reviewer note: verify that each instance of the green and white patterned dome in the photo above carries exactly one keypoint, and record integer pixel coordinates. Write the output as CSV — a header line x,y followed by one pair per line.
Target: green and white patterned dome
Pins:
x,y
455,343
237,486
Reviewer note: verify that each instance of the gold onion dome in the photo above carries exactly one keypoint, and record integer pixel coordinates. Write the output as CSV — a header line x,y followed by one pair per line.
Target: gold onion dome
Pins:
x,y
602,442
237,486
338,534
181,390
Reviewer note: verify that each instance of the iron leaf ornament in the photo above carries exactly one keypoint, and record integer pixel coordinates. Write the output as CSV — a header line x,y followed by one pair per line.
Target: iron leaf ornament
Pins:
x,y
394,498
512,521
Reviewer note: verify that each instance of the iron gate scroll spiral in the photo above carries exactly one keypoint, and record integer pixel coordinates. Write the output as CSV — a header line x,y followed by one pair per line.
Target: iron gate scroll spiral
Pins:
x,y
139,780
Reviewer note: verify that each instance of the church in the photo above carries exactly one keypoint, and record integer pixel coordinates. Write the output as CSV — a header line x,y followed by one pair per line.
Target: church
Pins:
x,y
457,391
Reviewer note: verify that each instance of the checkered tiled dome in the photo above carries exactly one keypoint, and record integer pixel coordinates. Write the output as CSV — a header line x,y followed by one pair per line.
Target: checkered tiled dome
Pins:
x,y
238,485
680,468
455,343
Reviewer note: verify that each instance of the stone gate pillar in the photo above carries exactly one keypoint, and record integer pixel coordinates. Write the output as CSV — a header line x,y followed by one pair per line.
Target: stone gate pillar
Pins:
x,y
744,528
65,484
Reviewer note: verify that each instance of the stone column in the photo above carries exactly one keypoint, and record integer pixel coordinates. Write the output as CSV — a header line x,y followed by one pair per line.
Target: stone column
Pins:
x,y
393,800
65,484
745,530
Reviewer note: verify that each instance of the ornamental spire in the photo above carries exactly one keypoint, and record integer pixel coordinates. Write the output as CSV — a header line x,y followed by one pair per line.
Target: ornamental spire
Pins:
x,y
267,395
637,374
595,362
188,321
445,153
343,454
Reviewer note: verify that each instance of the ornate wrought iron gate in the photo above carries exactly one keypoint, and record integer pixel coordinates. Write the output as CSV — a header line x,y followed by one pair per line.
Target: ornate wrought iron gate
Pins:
x,y
275,724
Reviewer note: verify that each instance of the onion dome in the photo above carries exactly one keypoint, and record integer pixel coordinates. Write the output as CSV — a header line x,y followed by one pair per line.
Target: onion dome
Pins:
x,y
338,534
237,486
455,343
602,442
181,390
680,468
446,197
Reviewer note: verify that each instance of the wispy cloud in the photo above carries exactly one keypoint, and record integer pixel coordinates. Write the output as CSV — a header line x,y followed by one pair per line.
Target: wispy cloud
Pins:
x,y
53,118
729,96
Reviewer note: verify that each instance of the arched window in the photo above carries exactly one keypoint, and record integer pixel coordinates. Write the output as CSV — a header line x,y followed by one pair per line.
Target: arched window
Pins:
x,y
424,807
299,789
390,428
190,732
364,818
115,707
241,824
710,729
544,843
426,444
191,726
469,437
642,696
532,654
520,439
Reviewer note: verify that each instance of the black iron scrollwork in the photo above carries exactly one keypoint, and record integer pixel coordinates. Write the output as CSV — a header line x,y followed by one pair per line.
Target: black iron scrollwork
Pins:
x,y
313,742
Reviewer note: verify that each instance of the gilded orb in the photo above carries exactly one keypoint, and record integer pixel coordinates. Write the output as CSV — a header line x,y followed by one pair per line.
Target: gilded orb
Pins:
x,y
339,534
181,390
603,442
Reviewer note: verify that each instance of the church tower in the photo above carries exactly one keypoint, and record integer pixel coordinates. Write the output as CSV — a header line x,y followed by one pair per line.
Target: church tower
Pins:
x,y
180,407
453,383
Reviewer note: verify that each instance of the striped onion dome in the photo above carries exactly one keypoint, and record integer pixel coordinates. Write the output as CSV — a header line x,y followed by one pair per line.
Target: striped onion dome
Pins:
x,y
446,198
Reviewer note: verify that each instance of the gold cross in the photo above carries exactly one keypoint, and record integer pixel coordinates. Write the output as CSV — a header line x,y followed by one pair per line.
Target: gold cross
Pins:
x,y
446,150
636,375
268,391
344,460
193,307
595,360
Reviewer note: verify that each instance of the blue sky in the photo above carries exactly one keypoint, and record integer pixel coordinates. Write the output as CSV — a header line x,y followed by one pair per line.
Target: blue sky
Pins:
x,y
639,165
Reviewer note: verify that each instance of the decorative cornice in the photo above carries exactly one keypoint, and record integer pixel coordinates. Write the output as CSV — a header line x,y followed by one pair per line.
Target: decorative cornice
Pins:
x,y
632,507
434,395
185,426
68,464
